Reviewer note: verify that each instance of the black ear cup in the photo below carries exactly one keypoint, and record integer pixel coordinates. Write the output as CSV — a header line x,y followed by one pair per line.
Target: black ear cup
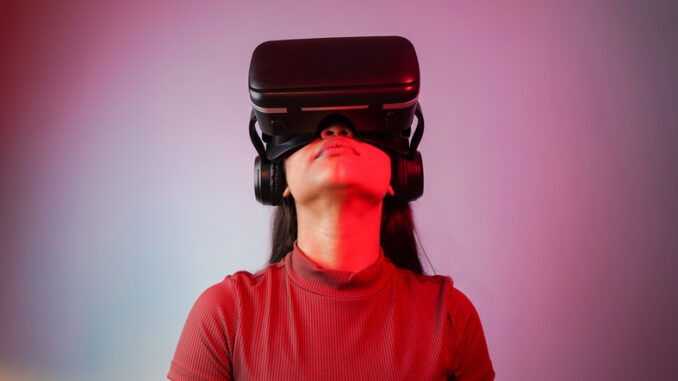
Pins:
x,y
407,177
269,181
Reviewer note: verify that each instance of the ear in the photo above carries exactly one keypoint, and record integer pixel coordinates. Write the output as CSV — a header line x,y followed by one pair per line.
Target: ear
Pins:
x,y
286,192
390,190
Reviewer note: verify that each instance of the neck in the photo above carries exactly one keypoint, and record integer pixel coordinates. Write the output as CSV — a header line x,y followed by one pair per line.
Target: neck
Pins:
x,y
340,236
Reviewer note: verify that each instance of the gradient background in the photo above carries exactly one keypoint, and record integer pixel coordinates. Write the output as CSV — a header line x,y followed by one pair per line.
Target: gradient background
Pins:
x,y
550,158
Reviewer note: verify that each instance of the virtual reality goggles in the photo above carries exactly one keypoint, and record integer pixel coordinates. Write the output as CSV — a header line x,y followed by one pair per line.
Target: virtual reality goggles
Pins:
x,y
373,82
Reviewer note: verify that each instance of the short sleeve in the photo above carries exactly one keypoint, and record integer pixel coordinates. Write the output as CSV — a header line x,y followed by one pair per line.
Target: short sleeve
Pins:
x,y
206,342
471,357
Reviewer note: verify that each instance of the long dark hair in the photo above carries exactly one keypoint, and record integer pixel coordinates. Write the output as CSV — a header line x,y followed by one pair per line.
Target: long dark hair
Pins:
x,y
398,236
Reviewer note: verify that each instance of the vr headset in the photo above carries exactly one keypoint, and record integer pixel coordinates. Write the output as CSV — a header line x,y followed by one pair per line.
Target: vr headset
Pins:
x,y
298,85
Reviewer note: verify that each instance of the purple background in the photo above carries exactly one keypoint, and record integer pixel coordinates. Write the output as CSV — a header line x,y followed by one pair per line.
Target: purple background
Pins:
x,y
550,159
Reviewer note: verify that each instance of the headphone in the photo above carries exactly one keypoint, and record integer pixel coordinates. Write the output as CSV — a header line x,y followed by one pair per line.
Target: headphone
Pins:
x,y
407,172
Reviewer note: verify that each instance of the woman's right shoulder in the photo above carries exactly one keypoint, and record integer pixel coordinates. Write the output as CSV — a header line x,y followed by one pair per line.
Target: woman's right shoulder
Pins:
x,y
209,335
240,284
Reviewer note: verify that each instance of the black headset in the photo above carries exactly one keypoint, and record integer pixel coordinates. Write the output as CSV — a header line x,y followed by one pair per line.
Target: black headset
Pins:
x,y
371,82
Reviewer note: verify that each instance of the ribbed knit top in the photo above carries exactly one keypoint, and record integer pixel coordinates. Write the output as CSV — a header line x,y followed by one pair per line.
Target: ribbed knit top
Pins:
x,y
296,321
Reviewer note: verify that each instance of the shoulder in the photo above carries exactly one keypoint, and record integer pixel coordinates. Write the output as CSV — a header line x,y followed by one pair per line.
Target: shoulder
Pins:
x,y
463,331
232,287
208,339
439,285
213,322
440,291
244,283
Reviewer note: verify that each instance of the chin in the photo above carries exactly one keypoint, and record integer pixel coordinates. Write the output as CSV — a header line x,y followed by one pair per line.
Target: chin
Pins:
x,y
347,191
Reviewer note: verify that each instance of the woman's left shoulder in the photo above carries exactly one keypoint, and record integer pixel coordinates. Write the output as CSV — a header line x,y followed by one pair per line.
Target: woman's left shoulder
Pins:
x,y
440,286
443,283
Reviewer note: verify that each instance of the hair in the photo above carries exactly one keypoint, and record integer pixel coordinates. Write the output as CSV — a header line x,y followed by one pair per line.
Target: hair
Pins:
x,y
397,235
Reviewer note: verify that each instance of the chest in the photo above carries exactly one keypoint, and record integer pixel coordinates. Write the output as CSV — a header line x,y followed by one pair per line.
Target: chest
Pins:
x,y
302,335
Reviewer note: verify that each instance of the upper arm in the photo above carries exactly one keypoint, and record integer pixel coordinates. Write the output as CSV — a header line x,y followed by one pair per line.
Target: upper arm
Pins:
x,y
205,346
470,354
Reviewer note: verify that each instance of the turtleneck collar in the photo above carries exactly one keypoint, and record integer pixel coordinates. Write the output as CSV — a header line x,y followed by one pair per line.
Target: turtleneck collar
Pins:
x,y
309,275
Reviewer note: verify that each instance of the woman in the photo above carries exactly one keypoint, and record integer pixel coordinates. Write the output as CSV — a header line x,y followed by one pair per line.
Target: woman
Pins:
x,y
344,297
334,308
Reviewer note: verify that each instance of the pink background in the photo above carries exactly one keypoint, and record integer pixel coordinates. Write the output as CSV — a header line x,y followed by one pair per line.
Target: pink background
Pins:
x,y
550,158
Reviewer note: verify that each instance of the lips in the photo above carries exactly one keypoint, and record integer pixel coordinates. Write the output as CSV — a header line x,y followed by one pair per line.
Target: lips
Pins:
x,y
336,146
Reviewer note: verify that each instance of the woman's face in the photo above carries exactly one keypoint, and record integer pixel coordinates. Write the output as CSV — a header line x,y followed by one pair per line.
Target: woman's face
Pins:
x,y
339,166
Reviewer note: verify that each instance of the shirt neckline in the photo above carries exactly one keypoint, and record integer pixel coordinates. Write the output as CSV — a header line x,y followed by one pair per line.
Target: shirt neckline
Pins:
x,y
310,276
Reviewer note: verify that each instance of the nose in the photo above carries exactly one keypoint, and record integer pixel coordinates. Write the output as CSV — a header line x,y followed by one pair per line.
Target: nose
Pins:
x,y
336,130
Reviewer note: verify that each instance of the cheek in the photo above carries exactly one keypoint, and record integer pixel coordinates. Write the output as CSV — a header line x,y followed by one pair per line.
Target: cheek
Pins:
x,y
380,169
373,170
297,166
293,171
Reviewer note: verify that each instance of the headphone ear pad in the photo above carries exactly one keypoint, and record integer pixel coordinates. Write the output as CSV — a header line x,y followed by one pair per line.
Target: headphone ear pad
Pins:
x,y
407,177
269,181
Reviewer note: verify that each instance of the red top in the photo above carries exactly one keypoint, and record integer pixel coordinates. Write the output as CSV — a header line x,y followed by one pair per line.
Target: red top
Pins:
x,y
296,321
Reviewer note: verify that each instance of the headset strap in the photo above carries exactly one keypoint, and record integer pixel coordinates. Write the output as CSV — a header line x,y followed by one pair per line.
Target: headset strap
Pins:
x,y
418,132
256,140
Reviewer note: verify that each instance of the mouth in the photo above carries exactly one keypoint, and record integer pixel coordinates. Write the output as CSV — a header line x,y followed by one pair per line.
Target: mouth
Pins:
x,y
336,147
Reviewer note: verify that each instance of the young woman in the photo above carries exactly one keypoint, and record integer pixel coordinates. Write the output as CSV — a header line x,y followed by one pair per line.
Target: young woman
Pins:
x,y
335,307
344,296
